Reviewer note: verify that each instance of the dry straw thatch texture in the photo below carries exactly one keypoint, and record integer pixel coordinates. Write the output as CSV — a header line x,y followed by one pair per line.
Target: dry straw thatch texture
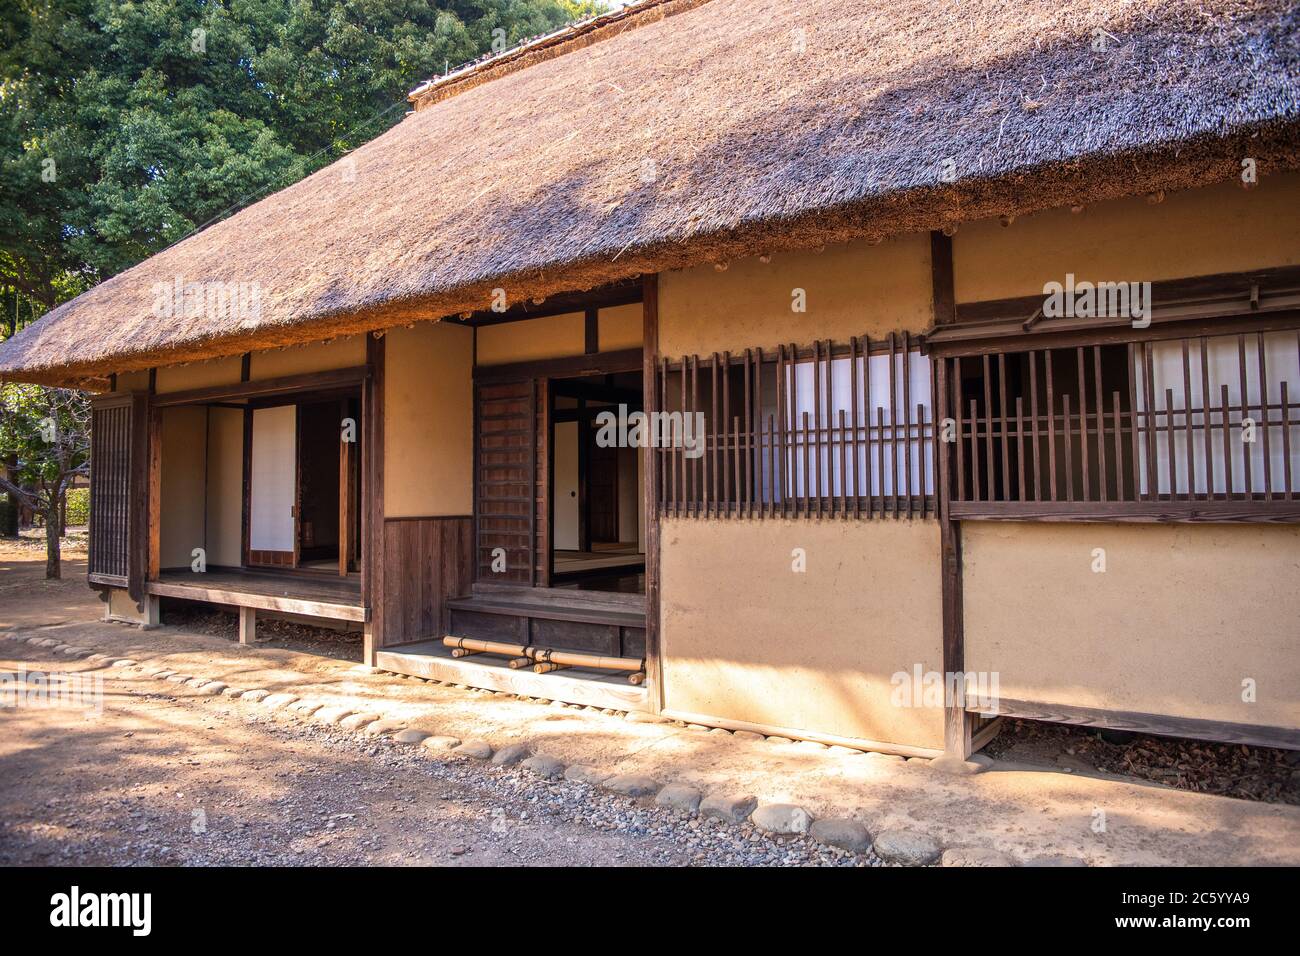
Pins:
x,y
728,128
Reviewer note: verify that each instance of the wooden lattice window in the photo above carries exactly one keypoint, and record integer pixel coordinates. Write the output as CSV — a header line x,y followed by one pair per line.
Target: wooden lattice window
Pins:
x,y
114,484
828,430
1195,428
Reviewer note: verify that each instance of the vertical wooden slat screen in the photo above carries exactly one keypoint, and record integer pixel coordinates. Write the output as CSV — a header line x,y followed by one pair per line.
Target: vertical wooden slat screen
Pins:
x,y
112,455
1207,418
541,575
506,506
798,432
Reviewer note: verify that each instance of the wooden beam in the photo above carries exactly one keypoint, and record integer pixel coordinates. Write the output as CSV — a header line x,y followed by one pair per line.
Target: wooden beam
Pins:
x,y
619,293
264,602
1069,333
1223,288
941,274
649,363
602,363
285,385
1145,511
1158,724
591,329
576,388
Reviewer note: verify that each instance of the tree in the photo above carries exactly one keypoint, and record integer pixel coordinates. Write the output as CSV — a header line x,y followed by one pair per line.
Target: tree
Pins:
x,y
125,126
45,432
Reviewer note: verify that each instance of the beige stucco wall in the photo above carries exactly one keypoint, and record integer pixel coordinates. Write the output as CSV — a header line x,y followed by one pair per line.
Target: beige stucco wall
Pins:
x,y
746,638
621,327
554,336
1221,228
1182,614
225,499
184,467
178,378
428,421
133,381
852,289
315,357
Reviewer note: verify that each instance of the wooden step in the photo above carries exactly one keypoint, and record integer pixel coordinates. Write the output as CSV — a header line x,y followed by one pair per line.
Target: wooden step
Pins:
x,y
550,612
559,597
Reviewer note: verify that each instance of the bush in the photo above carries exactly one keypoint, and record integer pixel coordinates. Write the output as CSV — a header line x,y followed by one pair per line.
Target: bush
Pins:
x,y
78,506
8,518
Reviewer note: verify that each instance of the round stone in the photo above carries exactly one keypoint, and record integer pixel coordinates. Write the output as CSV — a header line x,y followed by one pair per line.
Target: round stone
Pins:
x,y
907,847
544,765
511,755
782,819
975,856
410,736
841,832
478,749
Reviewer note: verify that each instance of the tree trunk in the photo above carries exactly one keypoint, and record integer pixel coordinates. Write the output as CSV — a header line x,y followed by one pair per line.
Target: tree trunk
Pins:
x,y
53,568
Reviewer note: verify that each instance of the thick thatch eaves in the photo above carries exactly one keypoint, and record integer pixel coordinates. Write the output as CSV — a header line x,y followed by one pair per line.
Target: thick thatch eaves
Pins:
x,y
728,128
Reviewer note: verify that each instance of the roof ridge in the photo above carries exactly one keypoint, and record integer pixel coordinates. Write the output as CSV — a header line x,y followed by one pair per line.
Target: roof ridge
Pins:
x,y
567,39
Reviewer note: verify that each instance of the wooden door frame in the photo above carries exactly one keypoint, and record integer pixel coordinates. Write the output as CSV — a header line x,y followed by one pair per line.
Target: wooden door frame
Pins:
x,y
297,400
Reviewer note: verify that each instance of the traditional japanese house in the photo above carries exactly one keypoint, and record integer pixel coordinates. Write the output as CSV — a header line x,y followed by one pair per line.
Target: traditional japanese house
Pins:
x,y
989,312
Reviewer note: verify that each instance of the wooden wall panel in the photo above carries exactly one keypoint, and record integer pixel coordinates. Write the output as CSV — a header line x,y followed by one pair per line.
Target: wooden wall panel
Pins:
x,y
427,561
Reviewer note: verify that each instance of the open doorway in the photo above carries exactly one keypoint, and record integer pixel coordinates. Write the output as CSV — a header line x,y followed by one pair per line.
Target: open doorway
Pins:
x,y
598,499
303,485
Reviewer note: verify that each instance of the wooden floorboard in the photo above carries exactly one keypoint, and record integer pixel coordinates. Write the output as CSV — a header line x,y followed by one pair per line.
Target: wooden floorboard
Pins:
x,y
316,596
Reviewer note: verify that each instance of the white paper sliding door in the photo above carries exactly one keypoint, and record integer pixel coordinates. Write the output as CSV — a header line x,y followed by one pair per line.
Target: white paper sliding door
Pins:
x,y
274,481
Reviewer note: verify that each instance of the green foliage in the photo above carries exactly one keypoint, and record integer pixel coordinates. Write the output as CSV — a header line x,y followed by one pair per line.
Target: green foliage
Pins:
x,y
125,125
44,439
78,506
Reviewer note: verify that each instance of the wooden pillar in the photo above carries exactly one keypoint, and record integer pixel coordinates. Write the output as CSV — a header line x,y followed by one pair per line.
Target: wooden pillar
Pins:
x,y
247,626
373,498
956,722
649,364
152,612
154,544
345,493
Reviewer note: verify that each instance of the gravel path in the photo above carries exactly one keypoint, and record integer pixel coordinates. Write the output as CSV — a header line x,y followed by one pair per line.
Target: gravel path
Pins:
x,y
168,777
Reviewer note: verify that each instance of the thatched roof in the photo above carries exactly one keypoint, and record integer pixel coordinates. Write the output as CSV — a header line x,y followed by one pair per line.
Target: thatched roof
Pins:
x,y
696,131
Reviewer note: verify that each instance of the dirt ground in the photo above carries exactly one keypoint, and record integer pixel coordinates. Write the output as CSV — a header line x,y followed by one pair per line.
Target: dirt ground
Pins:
x,y
160,780
69,785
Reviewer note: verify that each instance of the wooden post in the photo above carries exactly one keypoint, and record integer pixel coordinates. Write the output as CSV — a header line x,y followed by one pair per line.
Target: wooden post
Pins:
x,y
956,722
345,496
247,626
152,613
650,360
154,545
373,452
